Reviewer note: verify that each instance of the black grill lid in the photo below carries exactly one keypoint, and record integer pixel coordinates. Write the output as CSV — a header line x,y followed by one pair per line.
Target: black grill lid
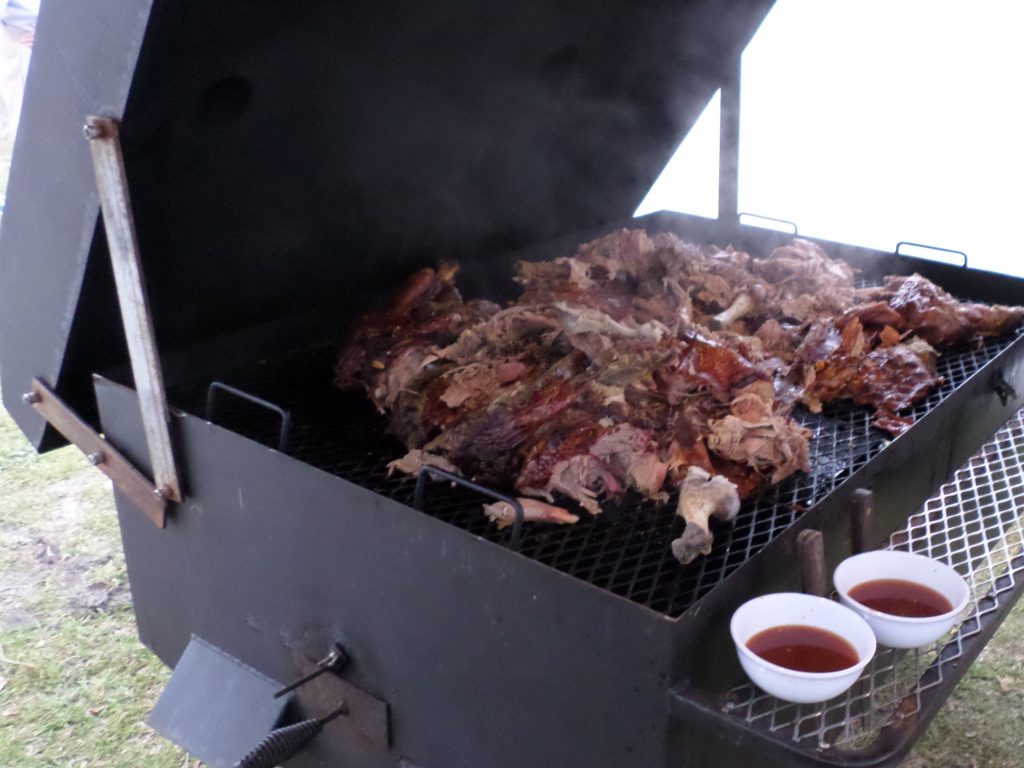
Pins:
x,y
292,157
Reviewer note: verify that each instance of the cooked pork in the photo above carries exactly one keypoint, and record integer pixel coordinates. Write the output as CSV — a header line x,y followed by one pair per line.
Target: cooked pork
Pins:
x,y
701,497
648,364
940,319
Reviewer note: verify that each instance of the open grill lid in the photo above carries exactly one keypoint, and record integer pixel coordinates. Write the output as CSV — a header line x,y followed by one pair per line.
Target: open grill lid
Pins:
x,y
291,158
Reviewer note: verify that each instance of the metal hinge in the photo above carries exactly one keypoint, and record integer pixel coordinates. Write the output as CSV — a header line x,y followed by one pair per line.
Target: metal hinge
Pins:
x,y
100,453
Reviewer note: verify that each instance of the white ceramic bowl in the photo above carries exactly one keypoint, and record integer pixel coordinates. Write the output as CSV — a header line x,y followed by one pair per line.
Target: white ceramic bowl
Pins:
x,y
785,608
902,631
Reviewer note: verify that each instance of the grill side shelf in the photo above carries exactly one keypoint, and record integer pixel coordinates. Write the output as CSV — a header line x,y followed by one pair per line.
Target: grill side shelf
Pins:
x,y
975,524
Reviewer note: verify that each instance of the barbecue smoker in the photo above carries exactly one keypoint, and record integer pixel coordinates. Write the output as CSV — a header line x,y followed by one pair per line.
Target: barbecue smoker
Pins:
x,y
286,167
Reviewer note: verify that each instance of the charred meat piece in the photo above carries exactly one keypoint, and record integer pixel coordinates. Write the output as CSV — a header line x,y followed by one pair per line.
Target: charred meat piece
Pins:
x,y
395,347
894,378
708,364
487,442
940,319
890,377
509,331
559,460
633,454
416,459
802,268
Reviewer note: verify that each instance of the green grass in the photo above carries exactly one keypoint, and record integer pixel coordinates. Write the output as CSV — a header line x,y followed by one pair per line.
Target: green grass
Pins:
x,y
982,723
76,682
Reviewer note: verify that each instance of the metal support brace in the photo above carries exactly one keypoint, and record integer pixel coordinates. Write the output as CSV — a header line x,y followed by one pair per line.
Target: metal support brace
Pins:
x,y
112,183
98,451
729,145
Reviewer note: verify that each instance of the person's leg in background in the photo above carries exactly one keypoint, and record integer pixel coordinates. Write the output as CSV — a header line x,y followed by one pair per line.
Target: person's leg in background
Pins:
x,y
17,34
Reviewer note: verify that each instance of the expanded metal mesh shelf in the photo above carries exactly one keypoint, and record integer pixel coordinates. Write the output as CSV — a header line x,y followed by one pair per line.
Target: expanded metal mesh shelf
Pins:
x,y
625,550
975,523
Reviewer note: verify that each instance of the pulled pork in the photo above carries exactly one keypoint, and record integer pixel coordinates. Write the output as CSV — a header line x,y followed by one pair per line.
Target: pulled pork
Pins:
x,y
649,364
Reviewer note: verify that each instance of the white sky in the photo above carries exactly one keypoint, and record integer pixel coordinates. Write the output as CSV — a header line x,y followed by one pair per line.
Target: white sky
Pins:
x,y
874,121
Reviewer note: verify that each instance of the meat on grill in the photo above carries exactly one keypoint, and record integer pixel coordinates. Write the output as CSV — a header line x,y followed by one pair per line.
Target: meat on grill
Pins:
x,y
648,364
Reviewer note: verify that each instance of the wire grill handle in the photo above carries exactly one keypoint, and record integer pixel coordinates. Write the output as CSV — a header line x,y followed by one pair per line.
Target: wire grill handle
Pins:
x,y
429,469
955,252
286,417
760,217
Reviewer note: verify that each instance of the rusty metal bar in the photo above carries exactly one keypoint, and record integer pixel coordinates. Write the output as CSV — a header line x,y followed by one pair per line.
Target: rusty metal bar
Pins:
x,y
810,547
100,453
860,520
112,183
729,144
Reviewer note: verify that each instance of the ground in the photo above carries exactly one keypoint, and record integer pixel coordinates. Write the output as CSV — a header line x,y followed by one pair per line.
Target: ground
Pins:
x,y
75,684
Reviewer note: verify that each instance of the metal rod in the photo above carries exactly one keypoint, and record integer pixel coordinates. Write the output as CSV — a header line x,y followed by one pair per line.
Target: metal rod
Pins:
x,y
122,242
810,547
332,662
761,217
302,681
284,743
729,144
861,514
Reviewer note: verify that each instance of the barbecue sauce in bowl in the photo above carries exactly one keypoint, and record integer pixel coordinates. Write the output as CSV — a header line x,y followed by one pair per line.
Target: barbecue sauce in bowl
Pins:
x,y
899,597
803,648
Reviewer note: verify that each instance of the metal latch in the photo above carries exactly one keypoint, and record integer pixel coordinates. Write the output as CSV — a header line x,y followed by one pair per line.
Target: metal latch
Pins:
x,y
365,717
332,662
101,454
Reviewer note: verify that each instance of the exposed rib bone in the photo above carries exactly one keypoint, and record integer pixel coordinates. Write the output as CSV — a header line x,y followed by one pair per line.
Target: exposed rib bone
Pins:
x,y
702,496
504,514
580,320
741,306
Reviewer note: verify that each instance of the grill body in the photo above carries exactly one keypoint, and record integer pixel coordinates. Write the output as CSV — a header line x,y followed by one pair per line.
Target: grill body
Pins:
x,y
287,166
484,657
574,651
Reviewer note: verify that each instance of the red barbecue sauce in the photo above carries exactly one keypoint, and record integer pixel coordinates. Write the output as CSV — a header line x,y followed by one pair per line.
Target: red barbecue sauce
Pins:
x,y
899,597
803,649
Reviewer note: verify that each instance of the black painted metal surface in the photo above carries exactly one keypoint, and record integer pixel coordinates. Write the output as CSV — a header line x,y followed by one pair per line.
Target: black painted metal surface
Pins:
x,y
82,63
483,656
516,641
215,707
291,161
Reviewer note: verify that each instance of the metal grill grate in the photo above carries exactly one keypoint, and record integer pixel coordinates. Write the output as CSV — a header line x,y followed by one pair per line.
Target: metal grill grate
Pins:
x,y
626,549
975,523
